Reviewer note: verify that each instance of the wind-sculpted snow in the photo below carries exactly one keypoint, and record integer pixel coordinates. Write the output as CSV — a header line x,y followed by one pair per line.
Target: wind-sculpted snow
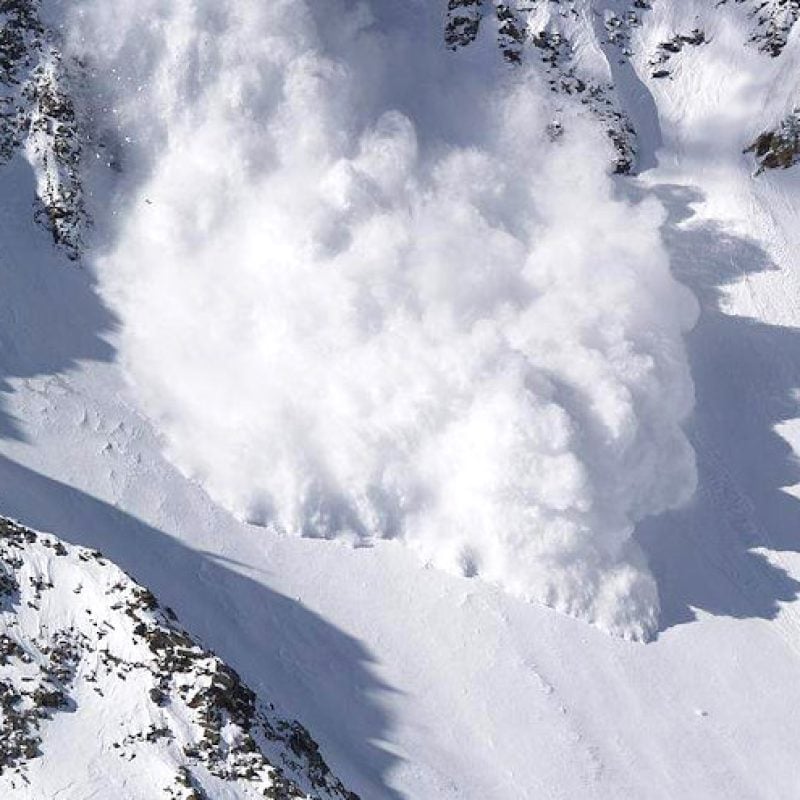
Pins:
x,y
366,294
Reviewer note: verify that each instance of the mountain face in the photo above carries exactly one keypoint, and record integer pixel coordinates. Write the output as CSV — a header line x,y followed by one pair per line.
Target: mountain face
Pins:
x,y
552,36
601,197
39,116
102,691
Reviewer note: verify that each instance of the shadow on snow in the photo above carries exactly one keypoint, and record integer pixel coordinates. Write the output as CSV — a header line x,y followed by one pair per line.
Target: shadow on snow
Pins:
x,y
51,319
746,375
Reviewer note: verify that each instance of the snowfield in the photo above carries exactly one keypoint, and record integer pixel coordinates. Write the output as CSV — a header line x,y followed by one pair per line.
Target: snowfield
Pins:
x,y
346,283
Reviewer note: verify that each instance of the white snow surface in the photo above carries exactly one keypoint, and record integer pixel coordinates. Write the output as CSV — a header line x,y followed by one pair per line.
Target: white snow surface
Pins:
x,y
419,683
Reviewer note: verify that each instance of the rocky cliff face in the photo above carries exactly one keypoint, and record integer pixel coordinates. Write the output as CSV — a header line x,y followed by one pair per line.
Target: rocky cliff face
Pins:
x,y
772,22
551,36
94,674
38,119
543,34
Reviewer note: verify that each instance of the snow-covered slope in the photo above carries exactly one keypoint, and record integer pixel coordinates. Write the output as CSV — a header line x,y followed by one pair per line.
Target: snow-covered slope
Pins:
x,y
419,683
102,693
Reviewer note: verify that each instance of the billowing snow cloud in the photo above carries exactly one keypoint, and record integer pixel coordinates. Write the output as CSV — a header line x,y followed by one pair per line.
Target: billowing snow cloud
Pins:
x,y
365,295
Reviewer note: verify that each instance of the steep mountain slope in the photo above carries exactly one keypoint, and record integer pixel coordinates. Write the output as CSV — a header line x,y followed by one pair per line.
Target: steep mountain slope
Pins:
x,y
418,683
605,70
103,693
38,116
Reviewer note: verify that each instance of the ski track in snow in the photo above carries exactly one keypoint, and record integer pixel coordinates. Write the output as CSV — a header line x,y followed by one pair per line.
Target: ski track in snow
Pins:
x,y
445,687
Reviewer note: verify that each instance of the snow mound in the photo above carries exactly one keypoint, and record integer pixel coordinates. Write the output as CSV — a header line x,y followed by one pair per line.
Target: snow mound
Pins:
x,y
368,291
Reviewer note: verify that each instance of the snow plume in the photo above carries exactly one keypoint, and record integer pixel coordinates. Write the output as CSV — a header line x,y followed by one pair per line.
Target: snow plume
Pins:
x,y
365,295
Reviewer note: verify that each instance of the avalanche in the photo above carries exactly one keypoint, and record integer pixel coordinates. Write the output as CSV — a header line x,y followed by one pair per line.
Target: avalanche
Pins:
x,y
466,342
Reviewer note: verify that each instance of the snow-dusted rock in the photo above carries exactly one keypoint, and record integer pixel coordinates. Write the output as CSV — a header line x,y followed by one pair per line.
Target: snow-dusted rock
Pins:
x,y
38,116
101,689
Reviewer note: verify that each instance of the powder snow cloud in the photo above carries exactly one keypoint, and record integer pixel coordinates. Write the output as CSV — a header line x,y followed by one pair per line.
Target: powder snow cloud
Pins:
x,y
365,295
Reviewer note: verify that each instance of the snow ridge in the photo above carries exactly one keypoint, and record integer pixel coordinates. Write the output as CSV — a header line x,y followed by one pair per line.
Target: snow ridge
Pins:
x,y
100,689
